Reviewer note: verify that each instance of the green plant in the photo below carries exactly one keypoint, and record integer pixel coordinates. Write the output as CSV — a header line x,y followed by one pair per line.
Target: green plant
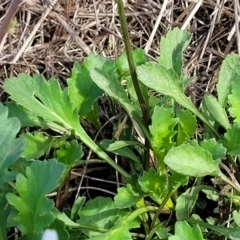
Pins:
x,y
169,131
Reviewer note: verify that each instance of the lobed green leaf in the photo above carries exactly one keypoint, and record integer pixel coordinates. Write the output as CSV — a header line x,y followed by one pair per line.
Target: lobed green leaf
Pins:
x,y
83,92
166,82
10,147
217,111
153,184
162,131
186,127
37,145
122,66
43,99
216,149
104,213
184,231
127,197
111,85
231,139
33,208
172,47
26,118
234,98
69,153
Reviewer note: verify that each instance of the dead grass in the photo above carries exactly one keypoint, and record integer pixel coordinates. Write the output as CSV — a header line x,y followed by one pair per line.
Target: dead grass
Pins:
x,y
50,39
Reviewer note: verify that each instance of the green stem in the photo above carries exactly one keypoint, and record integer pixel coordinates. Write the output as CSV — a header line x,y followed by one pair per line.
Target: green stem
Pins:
x,y
138,212
133,73
82,135
91,228
168,196
154,230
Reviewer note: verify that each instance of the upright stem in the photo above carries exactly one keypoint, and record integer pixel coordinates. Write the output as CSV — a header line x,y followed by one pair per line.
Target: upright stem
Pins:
x,y
133,73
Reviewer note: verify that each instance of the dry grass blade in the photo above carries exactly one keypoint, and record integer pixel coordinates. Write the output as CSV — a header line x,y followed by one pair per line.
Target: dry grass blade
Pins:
x,y
149,42
236,14
34,31
39,44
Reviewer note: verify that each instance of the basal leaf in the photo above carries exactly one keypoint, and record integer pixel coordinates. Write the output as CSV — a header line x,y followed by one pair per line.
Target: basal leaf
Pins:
x,y
127,197
83,92
186,159
234,98
153,184
33,208
9,126
77,206
187,125
216,111
184,231
111,85
172,47
120,233
99,212
43,99
64,218
162,232
231,139
121,150
10,147
37,145
177,179
69,153
187,201
216,149
93,116
100,62
139,58
120,144
26,118
229,68
75,234
162,130
166,82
